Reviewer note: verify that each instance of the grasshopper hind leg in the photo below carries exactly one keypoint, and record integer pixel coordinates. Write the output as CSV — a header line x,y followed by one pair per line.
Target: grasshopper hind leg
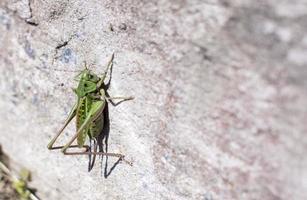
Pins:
x,y
95,111
71,115
87,151
92,158
118,155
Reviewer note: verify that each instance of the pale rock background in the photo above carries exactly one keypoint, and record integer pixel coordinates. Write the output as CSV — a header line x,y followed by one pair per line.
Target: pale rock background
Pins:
x,y
221,96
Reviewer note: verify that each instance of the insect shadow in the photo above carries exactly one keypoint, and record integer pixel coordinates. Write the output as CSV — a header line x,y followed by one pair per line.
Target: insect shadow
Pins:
x,y
102,144
102,139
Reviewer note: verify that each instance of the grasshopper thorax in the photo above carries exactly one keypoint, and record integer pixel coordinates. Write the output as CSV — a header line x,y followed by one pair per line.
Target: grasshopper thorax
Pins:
x,y
87,83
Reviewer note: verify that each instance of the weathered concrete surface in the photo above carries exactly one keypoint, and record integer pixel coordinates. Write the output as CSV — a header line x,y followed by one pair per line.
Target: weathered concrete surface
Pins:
x,y
220,86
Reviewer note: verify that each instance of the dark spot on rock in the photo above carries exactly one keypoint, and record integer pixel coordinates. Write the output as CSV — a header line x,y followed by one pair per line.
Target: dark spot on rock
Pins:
x,y
59,46
225,3
5,20
111,28
67,56
62,84
207,196
14,102
43,58
122,26
57,10
31,22
35,99
29,50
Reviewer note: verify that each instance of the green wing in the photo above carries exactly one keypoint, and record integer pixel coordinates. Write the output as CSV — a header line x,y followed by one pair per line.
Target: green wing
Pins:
x,y
82,137
95,111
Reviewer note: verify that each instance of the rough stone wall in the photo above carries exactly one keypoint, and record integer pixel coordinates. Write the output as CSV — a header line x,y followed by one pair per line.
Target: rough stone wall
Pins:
x,y
221,93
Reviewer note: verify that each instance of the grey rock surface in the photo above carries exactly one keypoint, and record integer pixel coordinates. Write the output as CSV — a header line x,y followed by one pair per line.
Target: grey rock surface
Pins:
x,y
221,96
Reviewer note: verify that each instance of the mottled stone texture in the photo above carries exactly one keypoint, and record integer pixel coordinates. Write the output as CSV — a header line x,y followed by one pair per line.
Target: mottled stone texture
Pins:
x,y
220,86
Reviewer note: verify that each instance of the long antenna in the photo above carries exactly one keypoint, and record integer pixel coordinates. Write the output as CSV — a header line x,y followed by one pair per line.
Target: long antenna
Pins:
x,y
110,63
85,64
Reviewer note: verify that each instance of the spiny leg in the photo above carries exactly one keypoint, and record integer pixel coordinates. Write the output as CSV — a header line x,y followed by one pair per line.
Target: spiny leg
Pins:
x,y
92,159
95,111
122,98
110,99
87,152
105,95
104,74
118,155
68,145
71,115
72,146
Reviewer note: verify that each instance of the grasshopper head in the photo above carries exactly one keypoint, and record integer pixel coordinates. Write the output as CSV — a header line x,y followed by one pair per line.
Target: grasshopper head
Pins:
x,y
87,84
87,75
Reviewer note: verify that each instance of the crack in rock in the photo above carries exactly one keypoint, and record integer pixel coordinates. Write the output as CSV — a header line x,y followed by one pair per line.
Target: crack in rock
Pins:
x,y
68,53
30,19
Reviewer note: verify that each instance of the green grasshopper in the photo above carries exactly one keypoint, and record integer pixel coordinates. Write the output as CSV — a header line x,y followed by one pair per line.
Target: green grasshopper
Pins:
x,y
91,101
